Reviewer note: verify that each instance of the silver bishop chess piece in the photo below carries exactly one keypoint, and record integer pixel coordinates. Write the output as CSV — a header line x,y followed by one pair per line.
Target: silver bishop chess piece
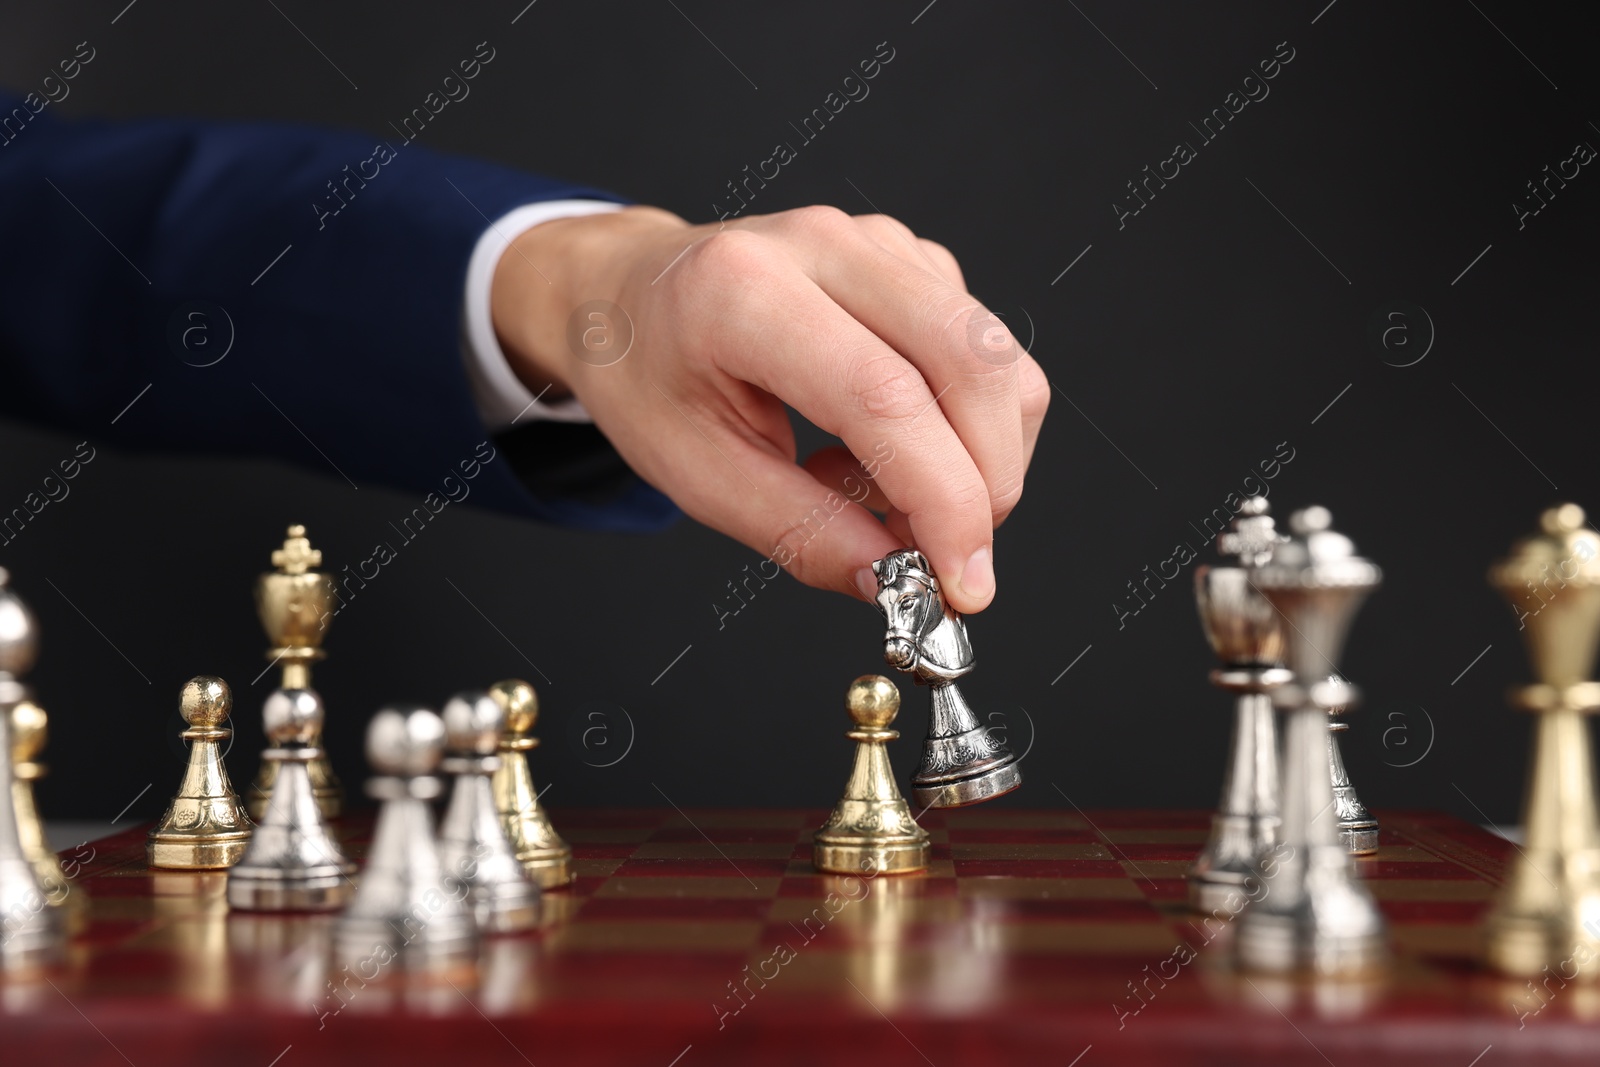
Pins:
x,y
1314,913
1245,632
404,910
31,931
293,862
473,845
962,762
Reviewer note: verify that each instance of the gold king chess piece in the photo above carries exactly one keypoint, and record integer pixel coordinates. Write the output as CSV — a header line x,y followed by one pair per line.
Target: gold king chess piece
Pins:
x,y
205,826
1548,912
546,858
28,726
294,604
871,830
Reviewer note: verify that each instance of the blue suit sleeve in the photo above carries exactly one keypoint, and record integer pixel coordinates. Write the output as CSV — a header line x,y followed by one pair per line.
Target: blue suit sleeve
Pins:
x,y
338,262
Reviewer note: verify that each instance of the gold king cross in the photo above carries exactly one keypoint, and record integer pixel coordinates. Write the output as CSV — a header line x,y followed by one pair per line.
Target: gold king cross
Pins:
x,y
296,555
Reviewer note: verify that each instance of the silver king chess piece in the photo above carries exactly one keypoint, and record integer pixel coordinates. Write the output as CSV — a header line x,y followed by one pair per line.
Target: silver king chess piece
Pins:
x,y
405,911
962,762
1314,913
1247,635
292,862
30,930
473,845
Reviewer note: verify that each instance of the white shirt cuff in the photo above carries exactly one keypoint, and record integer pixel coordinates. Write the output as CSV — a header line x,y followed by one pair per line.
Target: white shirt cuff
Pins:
x,y
501,397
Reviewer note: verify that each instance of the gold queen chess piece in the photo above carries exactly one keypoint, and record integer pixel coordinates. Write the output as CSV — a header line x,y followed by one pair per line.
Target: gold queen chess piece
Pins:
x,y
542,853
294,604
205,827
30,930
962,762
871,830
1548,912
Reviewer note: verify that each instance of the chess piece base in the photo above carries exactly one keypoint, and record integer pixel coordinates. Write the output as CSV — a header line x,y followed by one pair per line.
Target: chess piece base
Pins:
x,y
1314,915
549,868
439,942
31,931
1226,868
511,909
963,792
1279,944
262,892
1526,947
186,854
861,855
1360,838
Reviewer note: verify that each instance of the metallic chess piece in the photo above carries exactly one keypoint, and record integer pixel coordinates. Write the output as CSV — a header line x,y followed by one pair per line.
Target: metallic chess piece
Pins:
x,y
547,858
1313,911
1357,828
293,862
871,830
205,826
1548,913
1245,632
962,763
30,930
472,837
28,733
295,605
405,909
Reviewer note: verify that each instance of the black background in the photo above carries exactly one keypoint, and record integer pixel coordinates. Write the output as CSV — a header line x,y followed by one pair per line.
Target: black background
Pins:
x,y
1196,339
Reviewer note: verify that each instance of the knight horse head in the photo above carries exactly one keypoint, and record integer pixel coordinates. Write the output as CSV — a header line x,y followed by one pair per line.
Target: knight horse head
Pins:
x,y
925,637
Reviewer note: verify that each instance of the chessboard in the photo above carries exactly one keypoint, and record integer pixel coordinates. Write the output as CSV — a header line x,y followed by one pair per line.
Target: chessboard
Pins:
x,y
701,937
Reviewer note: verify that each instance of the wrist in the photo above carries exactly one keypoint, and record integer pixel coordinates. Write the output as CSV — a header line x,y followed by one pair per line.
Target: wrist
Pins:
x,y
552,268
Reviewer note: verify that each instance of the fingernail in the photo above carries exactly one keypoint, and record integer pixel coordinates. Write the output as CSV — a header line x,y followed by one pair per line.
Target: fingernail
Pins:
x,y
867,582
977,580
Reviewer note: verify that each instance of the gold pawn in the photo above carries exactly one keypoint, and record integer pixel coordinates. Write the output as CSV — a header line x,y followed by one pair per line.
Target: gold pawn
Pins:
x,y
1548,912
205,826
871,830
295,604
28,735
546,858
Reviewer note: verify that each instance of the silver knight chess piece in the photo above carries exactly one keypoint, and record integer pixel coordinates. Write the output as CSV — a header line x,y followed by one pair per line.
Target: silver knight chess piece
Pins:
x,y
1247,635
1316,914
30,930
962,762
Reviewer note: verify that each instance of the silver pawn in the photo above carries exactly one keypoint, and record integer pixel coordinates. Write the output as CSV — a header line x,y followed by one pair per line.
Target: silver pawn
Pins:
x,y
293,862
1245,632
473,846
1315,913
30,930
404,910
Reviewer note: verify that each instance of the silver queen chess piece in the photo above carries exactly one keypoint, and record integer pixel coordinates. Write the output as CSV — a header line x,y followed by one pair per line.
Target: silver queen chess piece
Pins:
x,y
1315,913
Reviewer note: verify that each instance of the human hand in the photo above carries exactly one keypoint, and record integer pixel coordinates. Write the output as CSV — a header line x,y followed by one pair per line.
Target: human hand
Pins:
x,y
860,326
